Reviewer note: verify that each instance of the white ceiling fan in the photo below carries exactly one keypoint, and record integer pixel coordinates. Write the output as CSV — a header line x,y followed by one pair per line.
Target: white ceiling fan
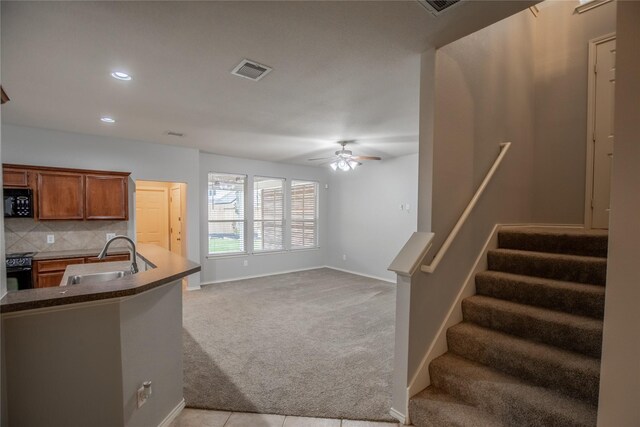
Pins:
x,y
344,159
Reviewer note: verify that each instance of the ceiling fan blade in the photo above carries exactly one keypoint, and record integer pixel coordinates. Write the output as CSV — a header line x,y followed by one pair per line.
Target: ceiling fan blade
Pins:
x,y
320,158
366,158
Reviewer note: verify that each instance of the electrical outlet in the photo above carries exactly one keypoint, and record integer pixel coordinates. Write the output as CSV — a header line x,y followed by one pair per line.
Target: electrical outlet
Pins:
x,y
245,263
51,238
344,257
110,236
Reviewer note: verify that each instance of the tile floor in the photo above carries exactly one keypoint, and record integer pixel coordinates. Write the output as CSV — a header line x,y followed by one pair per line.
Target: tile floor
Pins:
x,y
202,418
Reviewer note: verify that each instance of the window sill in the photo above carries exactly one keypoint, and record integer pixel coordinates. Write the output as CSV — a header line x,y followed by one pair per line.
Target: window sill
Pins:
x,y
591,5
230,255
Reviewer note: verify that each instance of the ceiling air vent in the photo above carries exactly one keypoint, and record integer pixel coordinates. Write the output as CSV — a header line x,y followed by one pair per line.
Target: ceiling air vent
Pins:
x,y
251,70
173,133
437,7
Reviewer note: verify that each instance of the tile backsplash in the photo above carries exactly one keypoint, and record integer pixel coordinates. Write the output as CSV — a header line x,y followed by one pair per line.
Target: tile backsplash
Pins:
x,y
28,235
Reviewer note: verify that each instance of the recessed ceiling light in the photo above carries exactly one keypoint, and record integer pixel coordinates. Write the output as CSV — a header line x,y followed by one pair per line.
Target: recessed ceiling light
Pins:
x,y
121,76
107,119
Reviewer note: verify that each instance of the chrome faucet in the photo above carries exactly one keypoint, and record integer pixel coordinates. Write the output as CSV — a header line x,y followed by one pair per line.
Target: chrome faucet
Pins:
x,y
132,248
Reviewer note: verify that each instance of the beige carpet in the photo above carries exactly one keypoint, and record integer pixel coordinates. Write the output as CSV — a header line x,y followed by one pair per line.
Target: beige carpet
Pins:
x,y
316,343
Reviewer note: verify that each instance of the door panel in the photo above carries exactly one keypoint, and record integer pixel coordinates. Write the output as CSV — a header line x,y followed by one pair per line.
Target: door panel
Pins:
x,y
175,221
603,132
152,221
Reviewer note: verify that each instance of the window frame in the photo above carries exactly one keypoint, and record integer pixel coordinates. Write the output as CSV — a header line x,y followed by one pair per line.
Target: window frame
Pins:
x,y
244,220
315,221
254,220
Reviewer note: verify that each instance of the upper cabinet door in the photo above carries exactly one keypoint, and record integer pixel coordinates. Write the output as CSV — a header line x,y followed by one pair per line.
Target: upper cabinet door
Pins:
x,y
60,195
14,178
106,197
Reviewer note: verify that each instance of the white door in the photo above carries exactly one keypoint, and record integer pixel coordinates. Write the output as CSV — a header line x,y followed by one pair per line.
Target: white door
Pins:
x,y
152,221
605,79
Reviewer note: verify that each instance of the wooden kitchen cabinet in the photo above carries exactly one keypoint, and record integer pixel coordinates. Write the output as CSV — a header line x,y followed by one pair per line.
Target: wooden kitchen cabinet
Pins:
x,y
15,178
48,273
72,194
60,195
106,197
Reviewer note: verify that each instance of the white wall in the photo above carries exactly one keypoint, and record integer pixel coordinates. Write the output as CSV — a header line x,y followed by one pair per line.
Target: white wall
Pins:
x,y
221,268
620,368
561,71
365,220
145,161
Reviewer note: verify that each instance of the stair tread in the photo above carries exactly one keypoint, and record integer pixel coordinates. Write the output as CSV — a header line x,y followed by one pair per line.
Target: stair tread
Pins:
x,y
571,297
555,231
538,312
518,400
543,364
552,255
577,333
435,407
555,239
557,266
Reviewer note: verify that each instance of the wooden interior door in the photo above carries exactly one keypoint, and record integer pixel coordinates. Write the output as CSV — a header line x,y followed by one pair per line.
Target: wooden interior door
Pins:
x,y
152,216
603,137
175,220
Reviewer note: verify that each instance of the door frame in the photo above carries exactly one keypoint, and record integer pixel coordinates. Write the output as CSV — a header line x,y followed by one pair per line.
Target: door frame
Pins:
x,y
591,112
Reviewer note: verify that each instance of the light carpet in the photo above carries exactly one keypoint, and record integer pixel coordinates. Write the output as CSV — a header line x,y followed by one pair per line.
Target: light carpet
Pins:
x,y
315,343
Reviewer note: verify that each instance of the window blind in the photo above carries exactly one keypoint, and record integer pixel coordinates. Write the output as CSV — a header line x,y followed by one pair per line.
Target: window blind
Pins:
x,y
304,214
268,214
226,215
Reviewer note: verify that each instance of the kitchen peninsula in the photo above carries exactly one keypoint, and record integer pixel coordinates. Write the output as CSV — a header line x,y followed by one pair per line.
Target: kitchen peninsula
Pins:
x,y
78,354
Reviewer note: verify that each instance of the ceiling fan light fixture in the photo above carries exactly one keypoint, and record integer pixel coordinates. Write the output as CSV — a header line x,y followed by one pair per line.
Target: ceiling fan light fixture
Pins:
x,y
333,165
344,165
353,164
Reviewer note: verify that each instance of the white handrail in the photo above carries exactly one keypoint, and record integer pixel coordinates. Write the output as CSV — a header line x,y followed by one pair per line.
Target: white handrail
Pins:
x,y
504,147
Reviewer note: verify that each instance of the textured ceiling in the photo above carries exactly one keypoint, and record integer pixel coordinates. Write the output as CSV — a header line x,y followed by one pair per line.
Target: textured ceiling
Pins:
x,y
341,70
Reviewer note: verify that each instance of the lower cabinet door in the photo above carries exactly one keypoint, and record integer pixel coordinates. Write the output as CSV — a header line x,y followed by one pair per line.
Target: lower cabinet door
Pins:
x,y
48,280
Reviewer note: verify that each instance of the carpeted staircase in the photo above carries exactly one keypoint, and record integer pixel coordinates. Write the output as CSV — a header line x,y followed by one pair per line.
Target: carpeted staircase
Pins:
x,y
528,350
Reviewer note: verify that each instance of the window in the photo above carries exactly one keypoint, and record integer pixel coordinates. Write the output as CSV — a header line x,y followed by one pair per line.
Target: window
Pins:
x,y
227,222
268,214
304,214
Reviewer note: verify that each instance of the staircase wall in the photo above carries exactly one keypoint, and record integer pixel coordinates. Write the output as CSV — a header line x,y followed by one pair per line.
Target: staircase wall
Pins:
x,y
561,60
620,384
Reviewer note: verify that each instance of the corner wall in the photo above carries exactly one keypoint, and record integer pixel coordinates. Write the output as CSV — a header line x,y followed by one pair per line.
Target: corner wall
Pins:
x,y
366,221
620,366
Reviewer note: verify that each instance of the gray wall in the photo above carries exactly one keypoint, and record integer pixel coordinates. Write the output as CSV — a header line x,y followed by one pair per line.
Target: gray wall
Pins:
x,y
561,71
483,96
366,222
145,161
220,268
620,375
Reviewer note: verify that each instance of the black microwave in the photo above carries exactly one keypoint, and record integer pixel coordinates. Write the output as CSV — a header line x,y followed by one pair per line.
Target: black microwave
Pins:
x,y
18,202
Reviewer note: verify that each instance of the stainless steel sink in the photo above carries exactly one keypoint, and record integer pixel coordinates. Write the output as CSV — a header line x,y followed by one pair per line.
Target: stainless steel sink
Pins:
x,y
98,277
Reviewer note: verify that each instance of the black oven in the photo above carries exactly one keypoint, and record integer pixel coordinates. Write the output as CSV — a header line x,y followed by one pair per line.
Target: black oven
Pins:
x,y
18,202
19,271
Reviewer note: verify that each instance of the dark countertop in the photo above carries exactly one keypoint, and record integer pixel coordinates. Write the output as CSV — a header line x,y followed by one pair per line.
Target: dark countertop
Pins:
x,y
77,253
169,268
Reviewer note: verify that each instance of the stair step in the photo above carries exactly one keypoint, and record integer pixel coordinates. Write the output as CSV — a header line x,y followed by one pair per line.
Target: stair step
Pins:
x,y
565,371
575,298
569,268
513,401
576,333
555,240
435,408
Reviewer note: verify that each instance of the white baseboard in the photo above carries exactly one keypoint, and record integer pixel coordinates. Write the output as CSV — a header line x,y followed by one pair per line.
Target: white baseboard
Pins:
x,y
255,276
172,415
398,416
357,273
